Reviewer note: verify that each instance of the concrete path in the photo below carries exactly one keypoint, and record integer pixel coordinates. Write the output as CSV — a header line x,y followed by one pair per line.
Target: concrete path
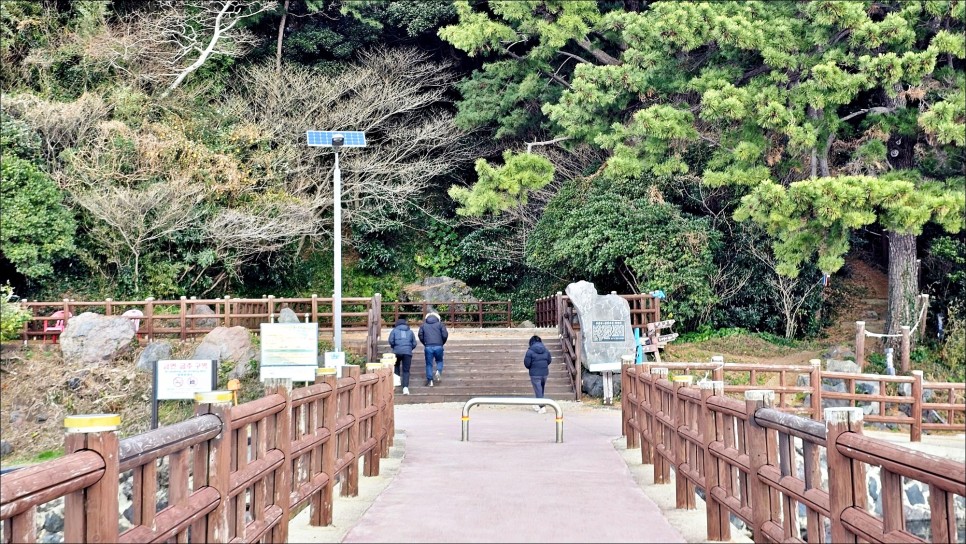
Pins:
x,y
510,483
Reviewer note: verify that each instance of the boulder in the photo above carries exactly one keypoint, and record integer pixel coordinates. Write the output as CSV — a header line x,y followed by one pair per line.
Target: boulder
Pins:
x,y
838,365
228,344
840,353
287,316
153,352
527,324
92,338
439,289
593,385
5,448
203,322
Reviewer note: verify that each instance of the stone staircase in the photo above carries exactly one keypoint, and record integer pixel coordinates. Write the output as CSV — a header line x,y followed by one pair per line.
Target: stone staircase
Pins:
x,y
484,362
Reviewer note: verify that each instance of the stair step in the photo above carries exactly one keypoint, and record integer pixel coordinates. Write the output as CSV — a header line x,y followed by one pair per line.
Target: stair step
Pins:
x,y
461,397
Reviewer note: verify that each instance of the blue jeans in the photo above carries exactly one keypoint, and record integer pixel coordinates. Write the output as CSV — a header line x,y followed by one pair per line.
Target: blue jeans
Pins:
x,y
539,382
433,352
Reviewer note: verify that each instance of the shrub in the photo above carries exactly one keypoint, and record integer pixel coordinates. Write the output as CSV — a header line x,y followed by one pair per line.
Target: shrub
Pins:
x,y
12,316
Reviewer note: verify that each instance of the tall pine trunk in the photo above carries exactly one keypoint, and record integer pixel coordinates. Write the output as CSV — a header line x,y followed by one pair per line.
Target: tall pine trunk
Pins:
x,y
903,284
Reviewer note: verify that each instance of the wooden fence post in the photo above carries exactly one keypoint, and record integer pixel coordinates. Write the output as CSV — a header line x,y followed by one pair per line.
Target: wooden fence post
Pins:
x,y
860,344
558,313
846,477
915,432
350,485
67,314
642,415
321,513
212,466
227,310
662,472
370,463
270,300
315,308
717,374
718,518
906,342
149,317
761,452
816,380
183,318
684,489
925,314
283,442
108,307
84,519
629,403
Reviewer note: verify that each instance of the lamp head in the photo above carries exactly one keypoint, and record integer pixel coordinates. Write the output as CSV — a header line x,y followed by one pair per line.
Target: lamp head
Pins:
x,y
337,140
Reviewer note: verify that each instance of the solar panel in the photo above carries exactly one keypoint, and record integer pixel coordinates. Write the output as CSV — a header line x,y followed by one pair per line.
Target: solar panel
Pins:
x,y
323,138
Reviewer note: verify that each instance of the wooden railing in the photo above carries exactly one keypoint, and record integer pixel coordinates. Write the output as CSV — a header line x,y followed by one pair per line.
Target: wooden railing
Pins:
x,y
744,456
454,314
894,393
644,309
236,474
181,318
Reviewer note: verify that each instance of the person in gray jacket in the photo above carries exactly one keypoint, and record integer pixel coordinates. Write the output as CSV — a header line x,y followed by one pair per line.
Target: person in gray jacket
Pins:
x,y
403,341
537,360
433,335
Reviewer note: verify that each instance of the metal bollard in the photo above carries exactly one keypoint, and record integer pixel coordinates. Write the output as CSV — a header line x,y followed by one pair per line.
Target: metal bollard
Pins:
x,y
514,401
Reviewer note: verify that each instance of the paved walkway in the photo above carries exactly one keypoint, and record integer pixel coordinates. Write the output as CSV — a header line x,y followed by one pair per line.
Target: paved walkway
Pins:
x,y
510,483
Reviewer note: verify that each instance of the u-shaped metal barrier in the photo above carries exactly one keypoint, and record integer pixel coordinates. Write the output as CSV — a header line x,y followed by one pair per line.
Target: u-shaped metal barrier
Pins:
x,y
518,401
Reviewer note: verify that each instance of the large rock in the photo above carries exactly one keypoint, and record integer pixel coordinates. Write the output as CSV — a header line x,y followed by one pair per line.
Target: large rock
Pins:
x,y
203,322
91,338
287,315
837,365
153,352
606,324
439,289
228,344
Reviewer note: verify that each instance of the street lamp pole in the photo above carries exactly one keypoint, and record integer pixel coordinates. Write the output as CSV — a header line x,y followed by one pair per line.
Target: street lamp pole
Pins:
x,y
336,140
337,250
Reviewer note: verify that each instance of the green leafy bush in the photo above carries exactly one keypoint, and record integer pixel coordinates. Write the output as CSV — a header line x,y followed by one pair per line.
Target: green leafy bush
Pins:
x,y
12,316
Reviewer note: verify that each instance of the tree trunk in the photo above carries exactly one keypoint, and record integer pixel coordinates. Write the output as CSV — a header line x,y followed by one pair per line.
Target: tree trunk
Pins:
x,y
281,34
903,284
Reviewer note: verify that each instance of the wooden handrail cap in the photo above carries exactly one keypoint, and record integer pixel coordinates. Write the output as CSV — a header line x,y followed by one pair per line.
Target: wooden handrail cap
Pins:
x,y
92,423
213,397
325,371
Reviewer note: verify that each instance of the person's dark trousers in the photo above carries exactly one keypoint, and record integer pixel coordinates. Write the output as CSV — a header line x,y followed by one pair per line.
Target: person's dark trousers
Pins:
x,y
406,362
433,352
539,382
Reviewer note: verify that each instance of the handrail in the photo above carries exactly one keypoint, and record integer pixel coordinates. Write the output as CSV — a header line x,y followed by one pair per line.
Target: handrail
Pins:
x,y
514,401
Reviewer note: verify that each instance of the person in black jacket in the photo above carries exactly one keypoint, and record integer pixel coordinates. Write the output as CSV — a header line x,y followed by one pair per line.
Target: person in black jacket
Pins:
x,y
537,360
433,335
403,341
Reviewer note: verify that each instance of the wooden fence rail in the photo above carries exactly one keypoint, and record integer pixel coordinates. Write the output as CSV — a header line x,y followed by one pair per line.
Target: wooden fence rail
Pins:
x,y
184,318
762,465
644,309
235,473
900,399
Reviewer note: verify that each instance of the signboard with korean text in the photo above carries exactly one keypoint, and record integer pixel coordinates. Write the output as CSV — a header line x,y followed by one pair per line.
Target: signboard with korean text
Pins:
x,y
289,350
180,379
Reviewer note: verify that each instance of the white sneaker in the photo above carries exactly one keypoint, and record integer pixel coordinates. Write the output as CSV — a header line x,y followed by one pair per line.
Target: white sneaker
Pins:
x,y
543,410
405,390
536,408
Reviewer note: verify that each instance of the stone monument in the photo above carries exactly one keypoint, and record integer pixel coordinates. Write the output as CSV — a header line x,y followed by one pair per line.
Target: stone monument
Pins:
x,y
606,324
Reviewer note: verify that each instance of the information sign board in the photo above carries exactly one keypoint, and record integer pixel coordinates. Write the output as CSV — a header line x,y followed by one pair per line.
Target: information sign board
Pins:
x,y
289,350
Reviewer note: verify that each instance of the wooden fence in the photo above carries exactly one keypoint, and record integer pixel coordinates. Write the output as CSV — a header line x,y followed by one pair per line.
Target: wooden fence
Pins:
x,y
184,318
745,457
947,400
236,473
644,309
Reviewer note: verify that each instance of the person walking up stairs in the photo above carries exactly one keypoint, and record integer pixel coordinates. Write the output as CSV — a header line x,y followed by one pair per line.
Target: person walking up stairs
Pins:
x,y
403,342
433,335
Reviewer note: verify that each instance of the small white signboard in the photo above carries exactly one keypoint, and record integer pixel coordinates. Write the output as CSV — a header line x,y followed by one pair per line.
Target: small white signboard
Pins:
x,y
180,379
336,360
289,350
